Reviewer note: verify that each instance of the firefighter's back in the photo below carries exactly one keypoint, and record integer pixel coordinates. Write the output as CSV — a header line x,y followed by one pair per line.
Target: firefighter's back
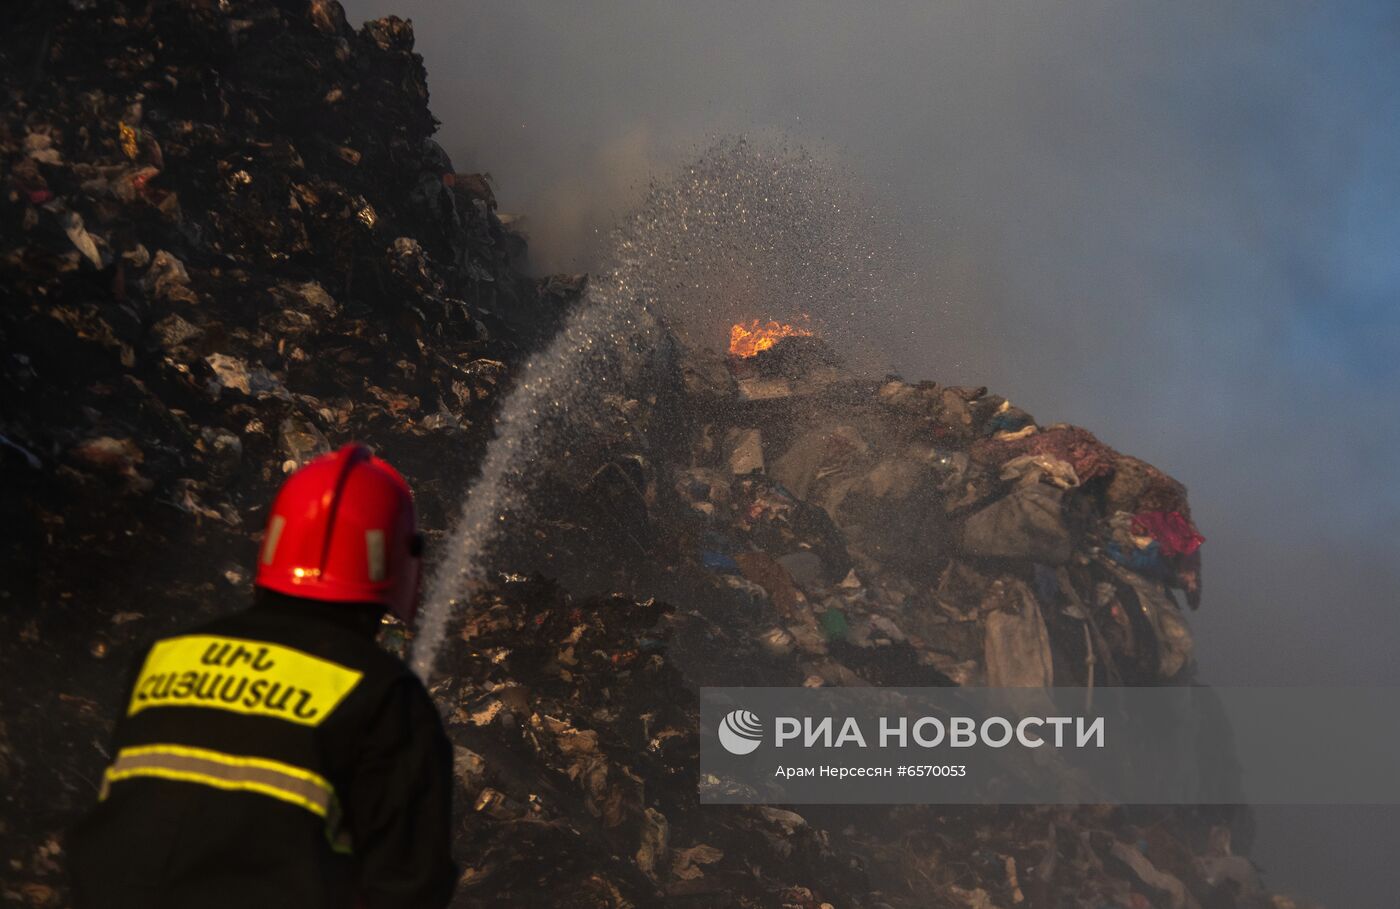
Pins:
x,y
234,760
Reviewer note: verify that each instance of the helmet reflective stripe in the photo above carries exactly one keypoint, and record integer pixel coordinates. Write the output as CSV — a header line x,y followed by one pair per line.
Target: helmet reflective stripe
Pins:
x,y
274,536
374,552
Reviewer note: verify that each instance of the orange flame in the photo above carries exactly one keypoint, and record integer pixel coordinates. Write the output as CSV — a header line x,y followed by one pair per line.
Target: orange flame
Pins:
x,y
749,340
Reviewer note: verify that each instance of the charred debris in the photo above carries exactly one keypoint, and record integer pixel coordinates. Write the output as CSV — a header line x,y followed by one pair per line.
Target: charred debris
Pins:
x,y
228,243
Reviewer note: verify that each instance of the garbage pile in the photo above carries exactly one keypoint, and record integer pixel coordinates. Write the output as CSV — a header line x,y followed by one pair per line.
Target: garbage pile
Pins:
x,y
576,754
578,757
228,243
942,524
798,525
228,232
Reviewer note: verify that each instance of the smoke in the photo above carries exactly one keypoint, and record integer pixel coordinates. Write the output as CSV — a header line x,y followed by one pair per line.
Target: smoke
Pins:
x,y
569,228
1172,223
1169,225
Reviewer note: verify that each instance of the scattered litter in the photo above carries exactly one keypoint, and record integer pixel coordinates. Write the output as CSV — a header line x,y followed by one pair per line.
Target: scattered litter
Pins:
x,y
81,239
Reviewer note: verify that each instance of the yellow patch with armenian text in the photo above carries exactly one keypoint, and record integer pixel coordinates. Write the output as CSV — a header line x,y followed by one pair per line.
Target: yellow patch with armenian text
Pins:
x,y
241,676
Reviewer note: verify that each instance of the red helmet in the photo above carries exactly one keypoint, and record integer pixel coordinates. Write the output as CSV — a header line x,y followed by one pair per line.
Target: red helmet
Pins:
x,y
343,529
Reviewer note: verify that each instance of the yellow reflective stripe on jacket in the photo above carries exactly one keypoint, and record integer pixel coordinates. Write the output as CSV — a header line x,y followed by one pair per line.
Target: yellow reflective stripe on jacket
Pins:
x,y
234,772
286,782
241,676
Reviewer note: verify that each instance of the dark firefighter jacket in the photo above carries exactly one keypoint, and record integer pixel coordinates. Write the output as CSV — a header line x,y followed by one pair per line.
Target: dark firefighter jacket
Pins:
x,y
272,758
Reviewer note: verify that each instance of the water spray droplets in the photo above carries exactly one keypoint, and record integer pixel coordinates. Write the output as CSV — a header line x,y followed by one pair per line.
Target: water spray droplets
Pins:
x,y
744,232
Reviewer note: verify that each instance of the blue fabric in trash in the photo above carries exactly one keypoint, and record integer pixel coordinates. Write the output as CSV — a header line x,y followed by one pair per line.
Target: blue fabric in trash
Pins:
x,y
1146,561
1047,584
719,561
1008,422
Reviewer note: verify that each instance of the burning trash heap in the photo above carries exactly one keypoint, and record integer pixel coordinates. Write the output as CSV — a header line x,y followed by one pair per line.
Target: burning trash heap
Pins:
x,y
228,243
802,526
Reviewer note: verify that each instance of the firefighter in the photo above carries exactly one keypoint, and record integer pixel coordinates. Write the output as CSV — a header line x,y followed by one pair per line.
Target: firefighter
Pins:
x,y
277,757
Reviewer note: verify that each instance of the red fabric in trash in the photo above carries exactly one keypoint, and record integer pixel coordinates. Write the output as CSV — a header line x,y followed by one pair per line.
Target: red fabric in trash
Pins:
x,y
1172,530
1081,448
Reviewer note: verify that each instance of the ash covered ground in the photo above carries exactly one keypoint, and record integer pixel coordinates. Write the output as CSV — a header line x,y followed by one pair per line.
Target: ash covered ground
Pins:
x,y
230,244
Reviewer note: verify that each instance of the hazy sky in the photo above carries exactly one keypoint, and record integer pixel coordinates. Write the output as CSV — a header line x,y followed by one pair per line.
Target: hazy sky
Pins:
x,y
1175,224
